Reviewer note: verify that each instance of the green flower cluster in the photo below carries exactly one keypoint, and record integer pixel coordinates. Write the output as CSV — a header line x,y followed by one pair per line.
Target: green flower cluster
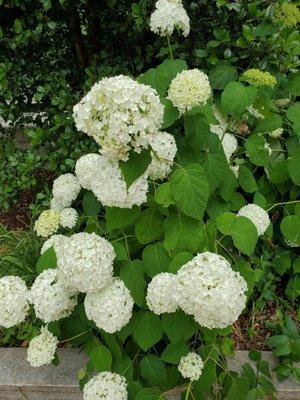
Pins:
x,y
258,78
288,14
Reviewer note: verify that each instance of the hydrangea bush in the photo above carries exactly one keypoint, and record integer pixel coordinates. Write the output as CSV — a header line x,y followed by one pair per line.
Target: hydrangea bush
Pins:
x,y
150,246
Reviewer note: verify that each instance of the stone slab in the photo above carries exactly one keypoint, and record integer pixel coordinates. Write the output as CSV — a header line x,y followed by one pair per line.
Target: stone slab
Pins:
x,y
19,381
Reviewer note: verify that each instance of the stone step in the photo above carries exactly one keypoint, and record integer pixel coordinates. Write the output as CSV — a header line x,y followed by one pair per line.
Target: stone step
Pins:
x,y
18,381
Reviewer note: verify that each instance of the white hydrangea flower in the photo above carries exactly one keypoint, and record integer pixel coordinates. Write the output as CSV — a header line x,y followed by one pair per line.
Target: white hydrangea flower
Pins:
x,y
160,291
55,241
13,301
68,218
50,298
47,223
188,89
85,262
229,142
164,150
109,186
191,366
253,111
257,215
235,169
86,167
267,147
42,348
65,190
169,15
120,114
276,133
110,309
210,290
106,386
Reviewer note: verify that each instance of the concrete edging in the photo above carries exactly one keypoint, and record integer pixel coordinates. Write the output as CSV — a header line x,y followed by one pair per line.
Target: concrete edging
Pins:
x,y
18,381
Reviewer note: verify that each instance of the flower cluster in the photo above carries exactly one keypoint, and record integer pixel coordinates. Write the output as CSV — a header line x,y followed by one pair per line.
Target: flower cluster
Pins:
x,y
164,149
276,133
120,114
54,241
257,215
106,386
288,14
50,298
258,78
188,89
13,301
190,366
42,348
47,223
229,142
169,15
85,262
160,291
110,309
68,218
65,190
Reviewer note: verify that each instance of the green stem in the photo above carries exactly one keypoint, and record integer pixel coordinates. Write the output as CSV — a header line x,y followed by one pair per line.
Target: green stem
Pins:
x,y
169,46
188,390
74,337
283,203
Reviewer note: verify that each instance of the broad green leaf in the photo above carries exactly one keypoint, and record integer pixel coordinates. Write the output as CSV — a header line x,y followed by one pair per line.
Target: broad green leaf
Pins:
x,y
133,388
237,97
183,233
269,124
155,80
174,351
197,130
179,260
119,217
132,274
281,343
148,330
47,260
114,345
156,259
221,75
293,113
124,367
178,326
244,268
228,186
121,254
246,180
91,205
101,358
224,223
149,226
189,187
153,371
171,114
279,172
244,235
294,167
257,150
290,228
207,378
163,195
74,330
294,83
169,69
150,394
135,166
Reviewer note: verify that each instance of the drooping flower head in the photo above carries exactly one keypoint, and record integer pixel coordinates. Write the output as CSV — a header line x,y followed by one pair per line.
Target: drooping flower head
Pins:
x,y
257,215
169,15
106,386
42,348
120,114
160,292
47,223
188,89
190,366
258,78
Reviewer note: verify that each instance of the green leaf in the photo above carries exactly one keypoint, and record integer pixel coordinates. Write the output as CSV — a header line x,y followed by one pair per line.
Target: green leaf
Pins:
x,y
149,226
189,187
269,124
279,172
221,75
156,259
153,371
294,167
246,180
281,343
293,113
224,223
244,235
101,358
119,217
155,80
47,260
163,195
207,378
257,151
124,367
294,83
121,254
171,114
174,351
179,260
178,326
197,130
148,330
290,228
183,233
135,166
149,394
244,268
132,274
91,205
236,97
169,69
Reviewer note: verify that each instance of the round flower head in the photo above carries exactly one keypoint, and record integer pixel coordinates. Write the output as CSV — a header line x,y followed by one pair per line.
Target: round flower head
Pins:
x,y
42,348
54,241
258,78
169,15
160,294
86,167
287,13
120,114
257,215
190,366
68,218
164,150
85,262
13,301
106,386
229,142
109,186
50,298
47,223
110,309
65,190
210,290
190,88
